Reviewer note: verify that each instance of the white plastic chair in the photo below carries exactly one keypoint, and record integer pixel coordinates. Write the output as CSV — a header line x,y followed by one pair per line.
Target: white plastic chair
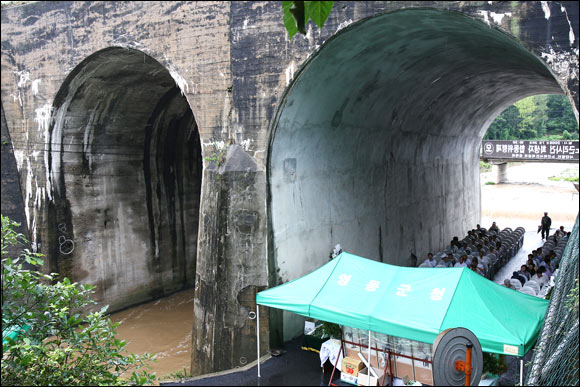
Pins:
x,y
425,264
516,284
528,290
534,285
542,293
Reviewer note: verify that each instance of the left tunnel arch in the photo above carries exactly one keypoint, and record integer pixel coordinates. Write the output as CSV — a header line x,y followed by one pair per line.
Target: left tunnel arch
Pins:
x,y
125,169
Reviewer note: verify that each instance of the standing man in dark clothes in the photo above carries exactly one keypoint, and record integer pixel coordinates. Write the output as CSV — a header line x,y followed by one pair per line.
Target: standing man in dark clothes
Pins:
x,y
546,223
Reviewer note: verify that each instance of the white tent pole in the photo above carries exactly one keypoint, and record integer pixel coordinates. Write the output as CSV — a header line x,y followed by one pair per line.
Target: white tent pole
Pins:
x,y
258,334
521,371
370,363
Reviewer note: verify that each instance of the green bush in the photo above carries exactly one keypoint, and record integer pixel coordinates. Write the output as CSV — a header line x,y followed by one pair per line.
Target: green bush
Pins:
x,y
493,364
46,337
328,329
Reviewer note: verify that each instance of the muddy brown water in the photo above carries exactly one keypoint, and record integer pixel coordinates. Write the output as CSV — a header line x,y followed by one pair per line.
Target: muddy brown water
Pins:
x,y
164,326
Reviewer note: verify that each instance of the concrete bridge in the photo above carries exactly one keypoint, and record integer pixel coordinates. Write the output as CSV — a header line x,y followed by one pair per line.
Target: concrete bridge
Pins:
x,y
155,146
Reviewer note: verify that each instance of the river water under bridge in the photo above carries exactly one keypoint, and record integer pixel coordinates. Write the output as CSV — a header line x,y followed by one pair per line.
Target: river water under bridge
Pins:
x,y
162,327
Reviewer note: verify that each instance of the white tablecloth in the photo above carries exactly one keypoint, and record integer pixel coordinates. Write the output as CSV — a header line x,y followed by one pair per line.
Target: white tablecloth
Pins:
x,y
329,351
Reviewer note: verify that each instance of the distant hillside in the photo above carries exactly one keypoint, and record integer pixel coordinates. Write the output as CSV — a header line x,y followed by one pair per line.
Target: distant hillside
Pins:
x,y
540,117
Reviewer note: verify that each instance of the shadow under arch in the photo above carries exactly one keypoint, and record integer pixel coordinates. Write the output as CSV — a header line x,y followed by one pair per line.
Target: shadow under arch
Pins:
x,y
125,169
375,144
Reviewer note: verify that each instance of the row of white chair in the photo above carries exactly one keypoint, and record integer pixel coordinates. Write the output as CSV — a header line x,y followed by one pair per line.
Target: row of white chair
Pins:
x,y
531,286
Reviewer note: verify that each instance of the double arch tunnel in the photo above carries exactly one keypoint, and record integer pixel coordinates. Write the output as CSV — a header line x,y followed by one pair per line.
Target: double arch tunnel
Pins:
x,y
375,145
125,168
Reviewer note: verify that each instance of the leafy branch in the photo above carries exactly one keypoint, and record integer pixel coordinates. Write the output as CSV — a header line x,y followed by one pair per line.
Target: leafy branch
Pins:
x,y
47,336
298,13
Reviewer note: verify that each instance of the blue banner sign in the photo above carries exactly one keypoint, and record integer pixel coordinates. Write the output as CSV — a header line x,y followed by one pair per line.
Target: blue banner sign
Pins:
x,y
530,150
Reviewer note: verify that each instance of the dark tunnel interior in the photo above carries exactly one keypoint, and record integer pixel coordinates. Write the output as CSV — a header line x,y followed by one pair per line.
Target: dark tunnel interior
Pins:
x,y
125,168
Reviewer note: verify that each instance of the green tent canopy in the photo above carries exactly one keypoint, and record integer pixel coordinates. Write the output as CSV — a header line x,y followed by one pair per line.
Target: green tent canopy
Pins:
x,y
413,303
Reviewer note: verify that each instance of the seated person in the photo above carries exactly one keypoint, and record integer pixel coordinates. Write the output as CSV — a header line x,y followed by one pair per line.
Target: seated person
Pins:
x,y
539,277
560,232
531,269
463,248
462,261
538,259
524,271
519,277
547,266
507,283
494,227
483,257
430,260
452,248
455,242
448,260
478,265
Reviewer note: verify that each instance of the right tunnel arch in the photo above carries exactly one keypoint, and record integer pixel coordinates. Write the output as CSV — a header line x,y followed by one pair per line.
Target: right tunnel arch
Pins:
x,y
375,145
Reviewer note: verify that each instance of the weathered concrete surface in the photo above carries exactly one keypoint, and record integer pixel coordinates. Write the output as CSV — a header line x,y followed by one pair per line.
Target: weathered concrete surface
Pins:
x,y
12,204
414,92
229,275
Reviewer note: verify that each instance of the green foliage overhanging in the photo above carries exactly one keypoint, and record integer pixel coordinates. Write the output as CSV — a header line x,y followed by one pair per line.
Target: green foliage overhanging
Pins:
x,y
298,13
540,117
46,337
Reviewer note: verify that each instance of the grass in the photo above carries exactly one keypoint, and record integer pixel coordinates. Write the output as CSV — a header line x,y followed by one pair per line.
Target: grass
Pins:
x,y
490,183
484,167
570,174
181,374
571,179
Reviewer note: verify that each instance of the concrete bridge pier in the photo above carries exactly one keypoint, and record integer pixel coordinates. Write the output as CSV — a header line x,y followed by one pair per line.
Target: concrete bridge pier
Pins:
x,y
500,171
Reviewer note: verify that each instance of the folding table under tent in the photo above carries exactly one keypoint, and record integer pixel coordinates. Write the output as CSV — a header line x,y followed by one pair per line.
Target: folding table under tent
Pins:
x,y
412,303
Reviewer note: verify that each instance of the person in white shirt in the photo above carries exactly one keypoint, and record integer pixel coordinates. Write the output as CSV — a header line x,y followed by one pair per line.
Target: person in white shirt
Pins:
x,y
448,260
430,260
560,232
547,267
479,267
462,262
539,277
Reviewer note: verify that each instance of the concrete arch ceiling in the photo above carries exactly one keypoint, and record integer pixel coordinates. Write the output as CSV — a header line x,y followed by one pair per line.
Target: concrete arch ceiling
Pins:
x,y
376,142
125,169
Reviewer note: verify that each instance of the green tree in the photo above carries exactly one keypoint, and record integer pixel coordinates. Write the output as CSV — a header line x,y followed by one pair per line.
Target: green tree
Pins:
x,y
506,126
560,116
532,113
46,337
541,117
